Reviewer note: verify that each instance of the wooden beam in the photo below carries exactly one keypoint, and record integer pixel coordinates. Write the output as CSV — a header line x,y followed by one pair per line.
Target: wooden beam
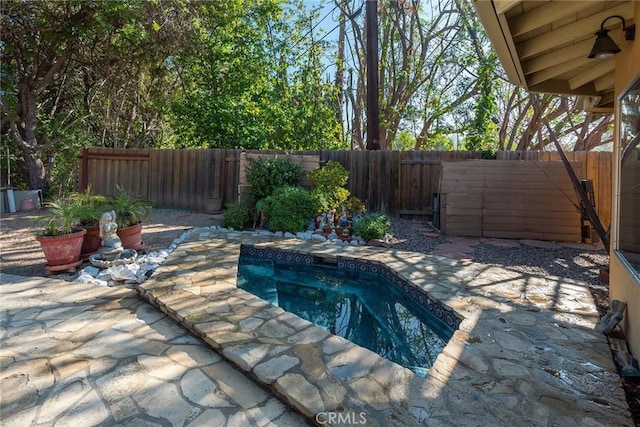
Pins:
x,y
600,68
503,5
543,15
561,87
601,110
607,98
578,30
498,32
582,194
552,72
577,50
605,83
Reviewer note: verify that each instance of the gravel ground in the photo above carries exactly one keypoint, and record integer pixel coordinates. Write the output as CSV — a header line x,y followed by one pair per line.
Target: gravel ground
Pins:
x,y
20,254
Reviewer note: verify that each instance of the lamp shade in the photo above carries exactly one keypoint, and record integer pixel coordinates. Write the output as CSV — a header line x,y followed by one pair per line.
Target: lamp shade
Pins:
x,y
604,47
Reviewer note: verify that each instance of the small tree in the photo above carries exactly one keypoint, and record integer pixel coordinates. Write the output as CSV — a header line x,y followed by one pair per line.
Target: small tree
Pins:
x,y
268,173
330,179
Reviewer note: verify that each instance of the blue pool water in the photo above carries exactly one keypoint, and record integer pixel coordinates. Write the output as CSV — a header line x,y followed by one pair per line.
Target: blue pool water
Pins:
x,y
359,306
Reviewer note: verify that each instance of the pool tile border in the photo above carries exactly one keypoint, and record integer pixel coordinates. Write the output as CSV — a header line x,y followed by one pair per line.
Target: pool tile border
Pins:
x,y
441,311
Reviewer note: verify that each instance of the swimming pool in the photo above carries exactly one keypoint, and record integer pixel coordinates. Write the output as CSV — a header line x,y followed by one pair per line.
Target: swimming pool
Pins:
x,y
361,306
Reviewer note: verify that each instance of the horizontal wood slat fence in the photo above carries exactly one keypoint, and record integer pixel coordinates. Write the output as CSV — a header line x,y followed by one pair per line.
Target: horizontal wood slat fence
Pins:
x,y
398,183
510,199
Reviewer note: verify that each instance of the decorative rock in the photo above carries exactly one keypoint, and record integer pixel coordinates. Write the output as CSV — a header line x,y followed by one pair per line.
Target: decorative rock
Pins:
x,y
87,278
123,272
90,270
306,235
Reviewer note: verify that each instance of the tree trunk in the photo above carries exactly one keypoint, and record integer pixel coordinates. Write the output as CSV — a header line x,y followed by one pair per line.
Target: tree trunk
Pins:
x,y
24,135
37,174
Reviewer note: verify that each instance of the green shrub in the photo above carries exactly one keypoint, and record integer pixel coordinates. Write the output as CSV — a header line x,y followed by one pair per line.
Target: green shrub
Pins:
x,y
237,216
129,209
268,173
372,226
355,206
90,207
330,179
289,209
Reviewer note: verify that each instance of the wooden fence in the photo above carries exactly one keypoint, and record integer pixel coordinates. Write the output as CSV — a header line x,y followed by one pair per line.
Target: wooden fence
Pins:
x,y
592,165
399,183
510,199
392,182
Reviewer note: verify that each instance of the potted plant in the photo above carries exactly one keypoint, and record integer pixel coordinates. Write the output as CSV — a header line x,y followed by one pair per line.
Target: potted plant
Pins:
x,y
60,239
90,207
130,212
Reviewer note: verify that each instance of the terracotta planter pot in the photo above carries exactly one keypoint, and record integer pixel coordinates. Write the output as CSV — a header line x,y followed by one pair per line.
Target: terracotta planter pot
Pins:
x,y
62,250
213,205
91,242
131,236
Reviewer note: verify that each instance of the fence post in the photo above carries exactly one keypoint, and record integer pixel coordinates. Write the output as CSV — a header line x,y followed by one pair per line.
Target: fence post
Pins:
x,y
84,169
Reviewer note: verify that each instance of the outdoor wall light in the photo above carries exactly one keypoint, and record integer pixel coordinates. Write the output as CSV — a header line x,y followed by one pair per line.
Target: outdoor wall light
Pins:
x,y
605,47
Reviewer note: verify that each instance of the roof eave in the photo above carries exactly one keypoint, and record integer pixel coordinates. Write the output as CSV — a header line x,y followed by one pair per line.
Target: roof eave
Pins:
x,y
497,29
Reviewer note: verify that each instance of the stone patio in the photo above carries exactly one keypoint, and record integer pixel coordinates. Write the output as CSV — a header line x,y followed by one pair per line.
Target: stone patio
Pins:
x,y
78,355
527,351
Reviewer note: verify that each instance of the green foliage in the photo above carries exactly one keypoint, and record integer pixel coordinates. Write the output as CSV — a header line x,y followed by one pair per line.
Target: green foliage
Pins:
x,y
66,66
58,218
129,209
330,179
268,173
372,226
439,142
289,209
245,86
236,216
483,134
404,141
90,207
355,206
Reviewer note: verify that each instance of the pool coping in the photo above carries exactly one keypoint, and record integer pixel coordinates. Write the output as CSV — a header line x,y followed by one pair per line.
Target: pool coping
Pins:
x,y
527,351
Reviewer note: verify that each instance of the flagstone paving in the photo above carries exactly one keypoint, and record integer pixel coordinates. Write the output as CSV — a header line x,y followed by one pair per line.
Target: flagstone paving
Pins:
x,y
527,352
76,354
